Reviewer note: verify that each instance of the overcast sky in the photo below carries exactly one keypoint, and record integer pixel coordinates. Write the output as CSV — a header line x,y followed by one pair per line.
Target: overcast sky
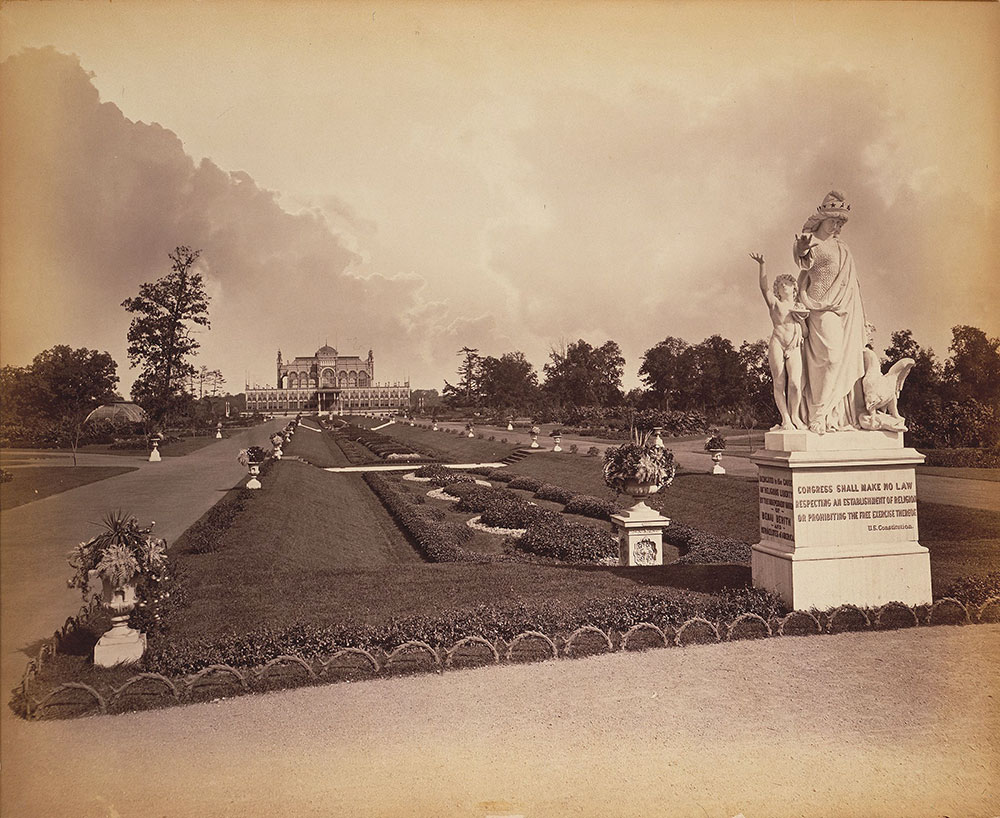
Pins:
x,y
417,178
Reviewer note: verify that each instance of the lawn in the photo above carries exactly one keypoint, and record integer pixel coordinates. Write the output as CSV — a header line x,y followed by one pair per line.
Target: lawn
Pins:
x,y
176,448
35,482
324,541
453,448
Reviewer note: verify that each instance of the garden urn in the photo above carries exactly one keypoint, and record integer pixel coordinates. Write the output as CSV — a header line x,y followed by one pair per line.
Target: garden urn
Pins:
x,y
434,426
558,440
717,467
510,426
218,431
121,645
640,529
154,455
472,432
534,437
658,439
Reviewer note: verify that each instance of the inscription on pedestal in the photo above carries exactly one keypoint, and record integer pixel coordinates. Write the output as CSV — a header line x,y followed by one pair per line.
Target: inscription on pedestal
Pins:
x,y
820,508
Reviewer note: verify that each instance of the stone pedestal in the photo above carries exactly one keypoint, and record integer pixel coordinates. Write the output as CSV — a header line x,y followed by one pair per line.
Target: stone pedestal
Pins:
x,y
254,482
557,447
640,535
838,520
717,467
154,456
121,645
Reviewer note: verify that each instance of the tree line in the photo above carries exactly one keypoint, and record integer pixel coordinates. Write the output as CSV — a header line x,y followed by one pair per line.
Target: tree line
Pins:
x,y
954,402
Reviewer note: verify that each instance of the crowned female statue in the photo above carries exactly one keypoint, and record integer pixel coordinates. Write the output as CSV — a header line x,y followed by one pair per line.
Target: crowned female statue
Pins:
x,y
833,347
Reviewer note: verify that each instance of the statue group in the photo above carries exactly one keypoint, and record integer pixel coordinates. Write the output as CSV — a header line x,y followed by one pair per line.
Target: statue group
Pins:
x,y
827,378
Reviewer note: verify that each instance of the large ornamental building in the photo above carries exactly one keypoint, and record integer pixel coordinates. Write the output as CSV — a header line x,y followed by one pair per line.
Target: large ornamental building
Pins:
x,y
329,382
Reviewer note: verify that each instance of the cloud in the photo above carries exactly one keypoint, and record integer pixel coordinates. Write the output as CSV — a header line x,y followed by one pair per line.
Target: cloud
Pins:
x,y
92,204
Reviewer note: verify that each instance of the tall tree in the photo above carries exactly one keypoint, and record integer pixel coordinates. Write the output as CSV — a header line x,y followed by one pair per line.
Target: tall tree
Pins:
x,y
668,371
66,384
466,391
160,337
508,382
583,375
973,370
922,392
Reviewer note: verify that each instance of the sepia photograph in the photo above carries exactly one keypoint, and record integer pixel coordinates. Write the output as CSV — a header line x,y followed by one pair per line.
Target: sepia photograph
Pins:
x,y
501,409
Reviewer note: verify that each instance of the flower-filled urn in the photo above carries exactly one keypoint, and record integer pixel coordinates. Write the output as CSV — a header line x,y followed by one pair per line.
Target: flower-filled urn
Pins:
x,y
639,468
123,557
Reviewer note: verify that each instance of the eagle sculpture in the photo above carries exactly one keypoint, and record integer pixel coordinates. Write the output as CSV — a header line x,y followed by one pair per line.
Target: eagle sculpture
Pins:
x,y
882,393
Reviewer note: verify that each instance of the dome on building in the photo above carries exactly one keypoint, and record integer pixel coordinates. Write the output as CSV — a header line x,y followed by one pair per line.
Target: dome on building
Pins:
x,y
326,351
126,410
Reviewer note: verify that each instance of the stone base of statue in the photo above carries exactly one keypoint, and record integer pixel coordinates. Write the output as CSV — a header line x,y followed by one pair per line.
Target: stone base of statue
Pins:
x,y
838,520
218,435
640,535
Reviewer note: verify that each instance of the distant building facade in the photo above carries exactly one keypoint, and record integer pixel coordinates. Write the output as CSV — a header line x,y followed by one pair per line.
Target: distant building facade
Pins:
x,y
329,382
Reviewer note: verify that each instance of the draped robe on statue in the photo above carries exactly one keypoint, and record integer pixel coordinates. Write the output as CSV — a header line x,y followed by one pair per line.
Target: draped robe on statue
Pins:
x,y
833,350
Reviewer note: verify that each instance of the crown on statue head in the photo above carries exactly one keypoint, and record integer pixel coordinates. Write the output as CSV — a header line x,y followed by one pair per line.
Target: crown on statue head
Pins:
x,y
834,206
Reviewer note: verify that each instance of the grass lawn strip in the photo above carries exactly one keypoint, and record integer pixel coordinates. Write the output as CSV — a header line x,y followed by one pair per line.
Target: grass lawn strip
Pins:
x,y
35,482
174,448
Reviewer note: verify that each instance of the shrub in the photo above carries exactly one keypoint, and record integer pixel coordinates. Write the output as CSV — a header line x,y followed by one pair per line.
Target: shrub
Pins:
x,y
504,509
526,483
975,590
701,547
573,448
555,494
551,536
593,451
499,475
6,476
967,458
588,506
503,440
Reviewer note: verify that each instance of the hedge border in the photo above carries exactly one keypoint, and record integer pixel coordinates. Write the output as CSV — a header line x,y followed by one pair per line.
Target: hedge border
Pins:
x,y
87,699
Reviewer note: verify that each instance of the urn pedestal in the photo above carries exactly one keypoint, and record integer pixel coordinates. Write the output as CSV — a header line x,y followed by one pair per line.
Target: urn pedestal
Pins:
x,y
557,440
510,427
838,520
534,440
121,645
254,482
640,529
154,456
717,467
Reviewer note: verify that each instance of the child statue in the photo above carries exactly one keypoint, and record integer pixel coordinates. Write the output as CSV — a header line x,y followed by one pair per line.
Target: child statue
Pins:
x,y
784,351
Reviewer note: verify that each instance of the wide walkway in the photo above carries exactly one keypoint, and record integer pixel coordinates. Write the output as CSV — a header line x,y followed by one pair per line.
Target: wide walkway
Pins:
x,y
35,538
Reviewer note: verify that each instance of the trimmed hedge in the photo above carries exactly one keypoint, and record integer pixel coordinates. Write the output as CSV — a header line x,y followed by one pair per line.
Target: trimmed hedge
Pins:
x,y
525,483
504,509
555,494
701,547
437,540
571,542
963,458
588,506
